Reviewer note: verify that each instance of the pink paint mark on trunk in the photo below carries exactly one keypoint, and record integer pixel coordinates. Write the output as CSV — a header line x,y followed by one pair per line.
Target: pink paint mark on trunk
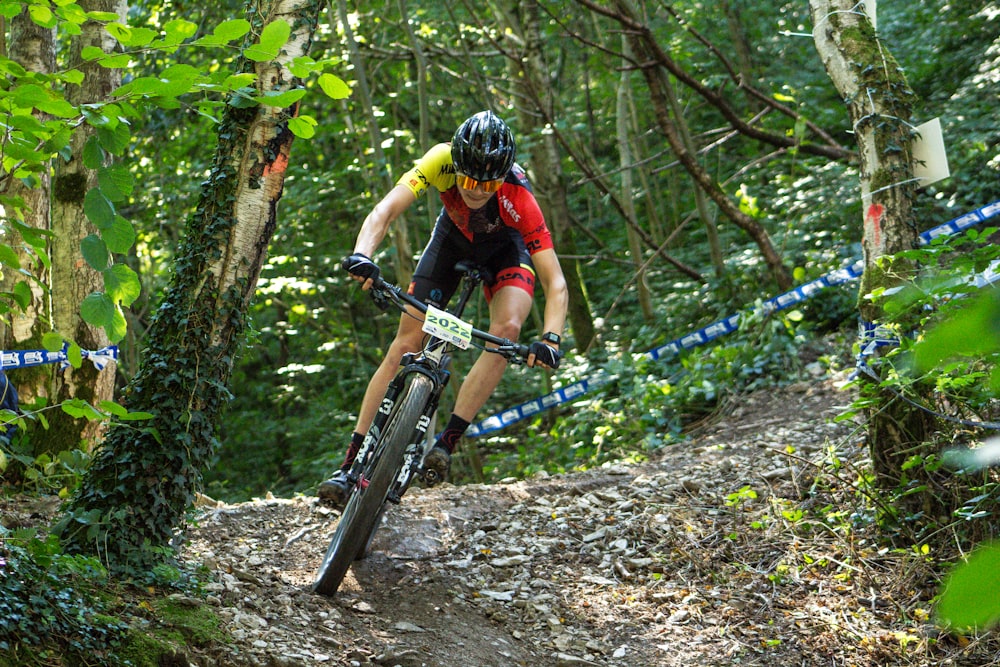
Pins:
x,y
873,219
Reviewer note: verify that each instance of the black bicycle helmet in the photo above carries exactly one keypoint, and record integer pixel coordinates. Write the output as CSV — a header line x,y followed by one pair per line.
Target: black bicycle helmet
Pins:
x,y
483,147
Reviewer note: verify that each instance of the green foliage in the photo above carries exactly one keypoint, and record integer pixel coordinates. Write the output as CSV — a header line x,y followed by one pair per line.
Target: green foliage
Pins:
x,y
970,597
48,598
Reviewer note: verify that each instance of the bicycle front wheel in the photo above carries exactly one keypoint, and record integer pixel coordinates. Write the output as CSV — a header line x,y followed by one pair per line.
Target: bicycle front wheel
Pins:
x,y
363,511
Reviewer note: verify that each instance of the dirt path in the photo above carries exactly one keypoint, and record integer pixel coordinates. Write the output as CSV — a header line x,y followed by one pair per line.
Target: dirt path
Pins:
x,y
728,550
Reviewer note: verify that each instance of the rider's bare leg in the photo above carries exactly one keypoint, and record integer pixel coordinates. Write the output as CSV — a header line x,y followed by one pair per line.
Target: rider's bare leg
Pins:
x,y
409,337
509,308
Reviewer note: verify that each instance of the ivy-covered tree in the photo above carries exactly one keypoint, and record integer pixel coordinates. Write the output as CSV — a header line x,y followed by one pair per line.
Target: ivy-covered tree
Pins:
x,y
143,480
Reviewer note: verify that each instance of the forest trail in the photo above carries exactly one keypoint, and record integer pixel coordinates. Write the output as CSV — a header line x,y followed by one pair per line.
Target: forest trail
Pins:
x,y
699,557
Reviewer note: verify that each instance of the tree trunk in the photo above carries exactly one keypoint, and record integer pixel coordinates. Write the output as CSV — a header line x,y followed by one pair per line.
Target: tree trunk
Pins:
x,y
879,102
142,480
625,159
649,56
530,76
400,234
33,47
72,278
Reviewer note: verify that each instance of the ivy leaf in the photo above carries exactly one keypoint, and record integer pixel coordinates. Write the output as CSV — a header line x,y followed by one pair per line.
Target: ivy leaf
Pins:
x,y
334,86
98,208
95,252
272,38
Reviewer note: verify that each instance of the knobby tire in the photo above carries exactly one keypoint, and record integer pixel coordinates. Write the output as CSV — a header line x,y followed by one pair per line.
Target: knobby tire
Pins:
x,y
363,511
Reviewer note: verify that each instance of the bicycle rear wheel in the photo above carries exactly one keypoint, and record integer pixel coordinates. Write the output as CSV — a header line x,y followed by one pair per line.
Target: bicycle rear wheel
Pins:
x,y
363,511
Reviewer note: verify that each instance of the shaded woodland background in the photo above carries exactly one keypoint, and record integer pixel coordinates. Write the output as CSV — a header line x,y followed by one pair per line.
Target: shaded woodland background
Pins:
x,y
655,259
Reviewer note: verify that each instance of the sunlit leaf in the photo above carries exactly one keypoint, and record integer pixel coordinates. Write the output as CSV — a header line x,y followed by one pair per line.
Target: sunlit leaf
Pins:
x,y
272,38
334,86
970,596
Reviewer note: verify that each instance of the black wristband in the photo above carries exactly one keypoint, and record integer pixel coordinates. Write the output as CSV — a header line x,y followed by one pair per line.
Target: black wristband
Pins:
x,y
550,337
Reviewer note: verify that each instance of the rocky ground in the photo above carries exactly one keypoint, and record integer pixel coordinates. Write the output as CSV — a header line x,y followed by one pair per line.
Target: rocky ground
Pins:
x,y
730,549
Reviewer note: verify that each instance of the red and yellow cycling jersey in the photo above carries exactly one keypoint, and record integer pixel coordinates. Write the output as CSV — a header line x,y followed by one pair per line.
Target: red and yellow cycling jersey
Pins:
x,y
513,206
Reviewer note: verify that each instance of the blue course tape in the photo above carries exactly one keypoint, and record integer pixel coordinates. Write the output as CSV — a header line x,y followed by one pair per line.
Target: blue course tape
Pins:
x,y
25,358
720,328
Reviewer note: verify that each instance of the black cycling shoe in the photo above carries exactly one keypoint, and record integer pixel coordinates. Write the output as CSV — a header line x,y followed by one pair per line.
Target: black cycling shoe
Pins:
x,y
336,489
436,465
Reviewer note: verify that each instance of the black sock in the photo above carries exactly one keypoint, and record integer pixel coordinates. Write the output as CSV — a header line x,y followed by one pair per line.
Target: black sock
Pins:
x,y
452,432
357,439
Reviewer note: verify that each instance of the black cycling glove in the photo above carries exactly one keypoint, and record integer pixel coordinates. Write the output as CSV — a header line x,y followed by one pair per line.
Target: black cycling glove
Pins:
x,y
360,265
545,354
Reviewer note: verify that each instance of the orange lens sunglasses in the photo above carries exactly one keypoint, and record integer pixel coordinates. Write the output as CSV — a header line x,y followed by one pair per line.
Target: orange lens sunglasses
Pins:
x,y
469,183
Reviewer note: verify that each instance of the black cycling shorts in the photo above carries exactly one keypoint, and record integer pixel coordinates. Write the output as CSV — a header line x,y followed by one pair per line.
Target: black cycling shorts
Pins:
x,y
503,253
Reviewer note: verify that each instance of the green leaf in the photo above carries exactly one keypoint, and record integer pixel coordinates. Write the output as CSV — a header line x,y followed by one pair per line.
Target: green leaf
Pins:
x,y
120,236
97,309
8,257
243,98
283,99
971,593
130,36
95,252
177,31
98,208
113,408
42,15
334,86
122,284
224,33
93,154
116,182
116,139
22,294
272,38
52,341
35,96
303,127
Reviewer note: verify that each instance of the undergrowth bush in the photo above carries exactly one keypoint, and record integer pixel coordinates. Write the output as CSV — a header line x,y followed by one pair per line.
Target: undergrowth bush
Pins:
x,y
50,603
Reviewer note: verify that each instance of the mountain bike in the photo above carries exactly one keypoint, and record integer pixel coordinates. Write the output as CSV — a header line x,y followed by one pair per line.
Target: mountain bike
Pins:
x,y
391,457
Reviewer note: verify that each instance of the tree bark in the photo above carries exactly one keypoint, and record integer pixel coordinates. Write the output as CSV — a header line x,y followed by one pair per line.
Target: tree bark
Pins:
x,y
878,100
33,47
529,73
72,278
400,233
142,480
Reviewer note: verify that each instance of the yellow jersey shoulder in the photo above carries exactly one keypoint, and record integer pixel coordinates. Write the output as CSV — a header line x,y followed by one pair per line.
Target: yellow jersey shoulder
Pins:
x,y
434,168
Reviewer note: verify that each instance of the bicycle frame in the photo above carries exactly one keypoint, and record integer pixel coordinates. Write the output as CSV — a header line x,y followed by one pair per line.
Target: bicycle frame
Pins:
x,y
394,447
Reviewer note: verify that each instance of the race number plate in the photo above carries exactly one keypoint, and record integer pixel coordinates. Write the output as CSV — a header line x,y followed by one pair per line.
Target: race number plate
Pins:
x,y
447,327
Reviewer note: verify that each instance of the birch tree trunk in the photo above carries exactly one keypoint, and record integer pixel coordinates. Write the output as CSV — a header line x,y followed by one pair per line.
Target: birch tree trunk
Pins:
x,y
72,278
142,480
32,47
878,100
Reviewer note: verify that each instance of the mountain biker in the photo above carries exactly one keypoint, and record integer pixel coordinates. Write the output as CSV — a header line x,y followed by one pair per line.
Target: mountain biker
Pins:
x,y
489,216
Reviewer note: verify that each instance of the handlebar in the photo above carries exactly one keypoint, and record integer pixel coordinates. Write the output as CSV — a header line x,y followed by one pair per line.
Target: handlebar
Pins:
x,y
385,294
